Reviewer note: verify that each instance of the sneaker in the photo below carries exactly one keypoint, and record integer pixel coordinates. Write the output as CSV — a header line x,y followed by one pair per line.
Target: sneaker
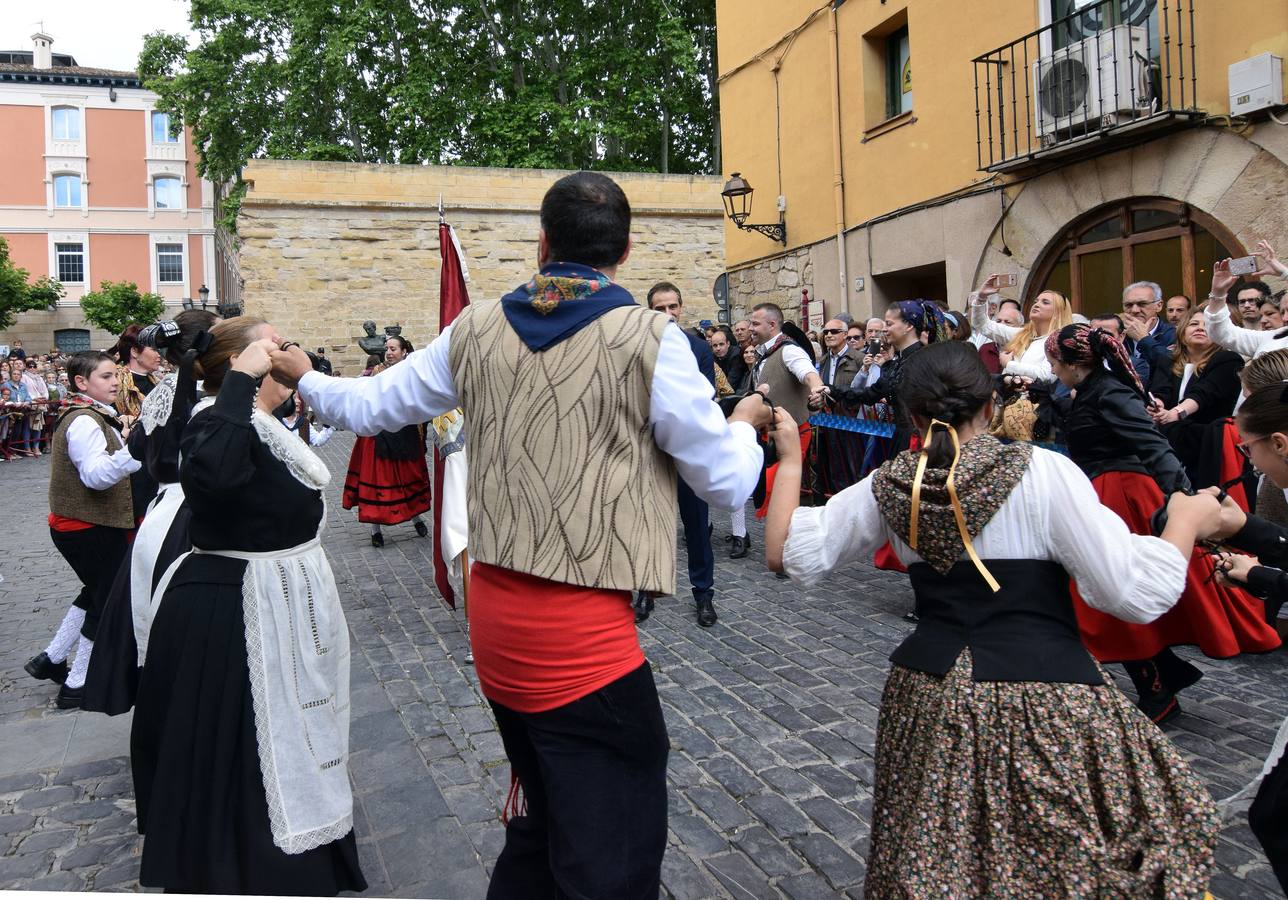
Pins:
x,y
42,667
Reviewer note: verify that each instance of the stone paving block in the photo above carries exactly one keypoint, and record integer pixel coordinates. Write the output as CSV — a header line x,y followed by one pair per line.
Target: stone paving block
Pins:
x,y
55,839
58,881
768,851
684,880
740,877
15,870
44,798
782,817
16,822
808,886
696,836
733,776
97,768
20,782
718,806
837,865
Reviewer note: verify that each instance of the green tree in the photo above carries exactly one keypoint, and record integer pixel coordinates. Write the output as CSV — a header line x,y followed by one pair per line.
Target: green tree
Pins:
x,y
523,83
119,304
18,295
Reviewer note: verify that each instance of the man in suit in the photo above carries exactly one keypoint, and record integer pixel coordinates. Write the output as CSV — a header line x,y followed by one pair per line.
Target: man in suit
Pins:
x,y
664,297
839,364
1147,333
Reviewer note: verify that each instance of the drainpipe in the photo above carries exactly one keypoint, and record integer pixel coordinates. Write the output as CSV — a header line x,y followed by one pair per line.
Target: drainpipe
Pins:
x,y
838,175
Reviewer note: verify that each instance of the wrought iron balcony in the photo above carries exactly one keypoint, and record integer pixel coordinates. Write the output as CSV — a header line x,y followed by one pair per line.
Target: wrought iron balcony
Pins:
x,y
1109,68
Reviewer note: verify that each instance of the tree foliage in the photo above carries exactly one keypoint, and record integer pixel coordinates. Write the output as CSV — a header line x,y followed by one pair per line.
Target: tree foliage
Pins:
x,y
523,83
119,304
18,295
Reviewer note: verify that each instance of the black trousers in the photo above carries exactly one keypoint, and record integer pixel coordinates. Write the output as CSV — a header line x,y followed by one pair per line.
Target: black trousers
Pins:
x,y
1268,817
94,554
593,774
697,540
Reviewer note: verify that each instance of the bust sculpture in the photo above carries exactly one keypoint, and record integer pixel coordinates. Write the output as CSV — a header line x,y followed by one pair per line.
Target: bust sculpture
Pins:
x,y
372,342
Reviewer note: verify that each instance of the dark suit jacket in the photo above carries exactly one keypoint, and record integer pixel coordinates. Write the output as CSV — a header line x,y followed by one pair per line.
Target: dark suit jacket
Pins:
x,y
706,359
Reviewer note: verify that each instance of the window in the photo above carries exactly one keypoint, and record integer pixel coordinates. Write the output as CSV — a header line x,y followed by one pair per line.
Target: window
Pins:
x,y
168,195
898,74
1143,239
70,259
67,191
170,263
71,340
66,123
161,129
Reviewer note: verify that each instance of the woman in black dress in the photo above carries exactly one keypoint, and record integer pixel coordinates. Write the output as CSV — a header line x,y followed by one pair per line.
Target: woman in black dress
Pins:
x,y
1192,400
240,737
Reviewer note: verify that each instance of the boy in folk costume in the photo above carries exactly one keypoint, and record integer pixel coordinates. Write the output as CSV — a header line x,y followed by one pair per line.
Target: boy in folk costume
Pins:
x,y
583,407
90,513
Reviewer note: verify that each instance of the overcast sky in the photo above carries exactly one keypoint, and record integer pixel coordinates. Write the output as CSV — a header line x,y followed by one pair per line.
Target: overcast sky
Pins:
x,y
102,34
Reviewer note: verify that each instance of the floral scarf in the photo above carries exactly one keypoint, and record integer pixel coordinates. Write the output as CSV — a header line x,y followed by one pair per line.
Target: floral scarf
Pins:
x,y
987,471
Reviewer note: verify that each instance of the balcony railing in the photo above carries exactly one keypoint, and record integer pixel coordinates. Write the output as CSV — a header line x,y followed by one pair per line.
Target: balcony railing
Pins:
x,y
1110,67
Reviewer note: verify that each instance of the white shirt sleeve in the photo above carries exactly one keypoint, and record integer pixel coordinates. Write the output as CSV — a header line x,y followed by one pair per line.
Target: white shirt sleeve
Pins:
x,y
996,331
87,448
1132,577
797,362
719,460
821,539
1033,363
414,391
1243,341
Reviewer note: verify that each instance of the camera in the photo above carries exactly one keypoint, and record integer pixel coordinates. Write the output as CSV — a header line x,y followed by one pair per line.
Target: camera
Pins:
x,y
315,361
159,335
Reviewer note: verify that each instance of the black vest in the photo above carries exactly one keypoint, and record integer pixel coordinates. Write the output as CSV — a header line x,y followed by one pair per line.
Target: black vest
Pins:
x,y
1027,631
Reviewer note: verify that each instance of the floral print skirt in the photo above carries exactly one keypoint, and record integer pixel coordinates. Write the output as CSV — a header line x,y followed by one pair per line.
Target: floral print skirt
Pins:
x,y
1026,789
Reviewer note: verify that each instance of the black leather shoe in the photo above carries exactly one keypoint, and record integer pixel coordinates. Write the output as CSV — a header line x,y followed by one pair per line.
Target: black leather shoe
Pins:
x,y
377,540
69,698
740,546
42,667
643,606
706,612
421,529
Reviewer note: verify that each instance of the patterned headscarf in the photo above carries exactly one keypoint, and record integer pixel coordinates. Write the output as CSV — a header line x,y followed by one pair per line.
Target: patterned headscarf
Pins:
x,y
925,315
1081,345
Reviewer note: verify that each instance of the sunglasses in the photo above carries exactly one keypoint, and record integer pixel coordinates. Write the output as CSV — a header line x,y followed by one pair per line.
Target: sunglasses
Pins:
x,y
856,338
830,331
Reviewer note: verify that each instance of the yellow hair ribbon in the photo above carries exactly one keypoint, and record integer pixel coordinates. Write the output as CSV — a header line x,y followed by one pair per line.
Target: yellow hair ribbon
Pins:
x,y
952,497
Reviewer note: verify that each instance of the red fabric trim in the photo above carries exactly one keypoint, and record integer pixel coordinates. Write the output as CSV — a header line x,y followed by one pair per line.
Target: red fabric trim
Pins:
x,y
806,433
1222,620
541,644
63,523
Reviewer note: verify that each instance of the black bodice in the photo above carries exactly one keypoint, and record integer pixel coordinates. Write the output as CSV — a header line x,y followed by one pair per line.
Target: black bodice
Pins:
x,y
242,497
1027,631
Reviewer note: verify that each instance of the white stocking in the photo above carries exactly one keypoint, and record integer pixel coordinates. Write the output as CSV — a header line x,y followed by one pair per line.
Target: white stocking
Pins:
x,y
66,635
80,665
738,522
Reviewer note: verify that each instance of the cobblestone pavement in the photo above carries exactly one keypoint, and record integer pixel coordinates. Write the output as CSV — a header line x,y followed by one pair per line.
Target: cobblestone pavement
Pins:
x,y
771,713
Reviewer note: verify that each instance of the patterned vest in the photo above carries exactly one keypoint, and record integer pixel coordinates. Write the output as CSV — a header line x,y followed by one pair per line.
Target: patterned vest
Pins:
x,y
565,481
784,388
68,496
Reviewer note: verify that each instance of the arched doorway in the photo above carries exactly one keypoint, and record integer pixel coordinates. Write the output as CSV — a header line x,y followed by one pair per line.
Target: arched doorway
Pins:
x,y
1141,239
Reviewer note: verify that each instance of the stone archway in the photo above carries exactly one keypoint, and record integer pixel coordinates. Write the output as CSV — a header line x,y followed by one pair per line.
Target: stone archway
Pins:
x,y
1236,181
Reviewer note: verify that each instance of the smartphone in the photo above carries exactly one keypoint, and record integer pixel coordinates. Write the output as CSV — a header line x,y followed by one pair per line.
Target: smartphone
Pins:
x,y
1244,265
1007,280
873,348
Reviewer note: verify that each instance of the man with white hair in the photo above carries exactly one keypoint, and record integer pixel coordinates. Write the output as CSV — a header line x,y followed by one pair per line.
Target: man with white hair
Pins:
x,y
1147,333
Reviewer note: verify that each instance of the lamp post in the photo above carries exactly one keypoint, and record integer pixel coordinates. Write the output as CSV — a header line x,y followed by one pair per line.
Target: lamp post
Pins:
x,y
737,202
204,294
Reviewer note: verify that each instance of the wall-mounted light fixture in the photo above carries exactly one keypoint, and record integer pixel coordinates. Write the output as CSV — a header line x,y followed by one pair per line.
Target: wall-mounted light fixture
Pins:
x,y
737,201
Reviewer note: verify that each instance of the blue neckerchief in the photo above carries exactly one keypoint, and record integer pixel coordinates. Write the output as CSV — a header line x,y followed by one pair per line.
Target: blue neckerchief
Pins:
x,y
560,301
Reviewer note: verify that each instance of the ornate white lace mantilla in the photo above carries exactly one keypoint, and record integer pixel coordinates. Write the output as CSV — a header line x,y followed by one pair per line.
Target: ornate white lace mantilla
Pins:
x,y
157,405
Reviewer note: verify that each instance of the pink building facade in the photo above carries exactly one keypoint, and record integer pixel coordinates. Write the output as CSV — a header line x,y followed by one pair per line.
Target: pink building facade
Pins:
x,y
98,185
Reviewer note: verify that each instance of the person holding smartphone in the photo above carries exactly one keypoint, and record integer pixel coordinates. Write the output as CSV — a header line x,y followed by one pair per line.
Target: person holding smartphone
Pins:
x,y
1227,286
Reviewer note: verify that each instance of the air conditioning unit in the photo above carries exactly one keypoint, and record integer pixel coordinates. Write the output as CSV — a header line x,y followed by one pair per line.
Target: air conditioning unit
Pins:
x,y
1095,83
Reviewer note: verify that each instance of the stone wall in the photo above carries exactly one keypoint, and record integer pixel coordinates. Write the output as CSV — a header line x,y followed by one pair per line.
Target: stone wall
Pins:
x,y
778,279
326,246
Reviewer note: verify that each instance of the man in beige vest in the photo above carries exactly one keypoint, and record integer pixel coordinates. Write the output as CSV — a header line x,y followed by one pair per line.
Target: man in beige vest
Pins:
x,y
582,408
793,382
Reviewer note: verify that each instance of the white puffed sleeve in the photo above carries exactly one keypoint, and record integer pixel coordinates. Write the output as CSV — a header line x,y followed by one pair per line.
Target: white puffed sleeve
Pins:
x,y
821,539
1132,577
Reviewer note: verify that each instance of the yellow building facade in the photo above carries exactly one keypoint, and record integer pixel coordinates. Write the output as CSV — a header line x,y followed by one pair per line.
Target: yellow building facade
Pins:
x,y
916,146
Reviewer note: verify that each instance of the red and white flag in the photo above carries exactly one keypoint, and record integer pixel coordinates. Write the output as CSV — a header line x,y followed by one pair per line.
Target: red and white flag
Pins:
x,y
450,522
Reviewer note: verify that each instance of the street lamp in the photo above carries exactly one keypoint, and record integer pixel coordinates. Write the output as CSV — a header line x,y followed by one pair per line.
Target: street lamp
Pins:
x,y
737,202
204,294
187,302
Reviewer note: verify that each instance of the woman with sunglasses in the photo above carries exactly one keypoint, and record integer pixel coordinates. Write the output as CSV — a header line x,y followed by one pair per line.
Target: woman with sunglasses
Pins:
x,y
1133,468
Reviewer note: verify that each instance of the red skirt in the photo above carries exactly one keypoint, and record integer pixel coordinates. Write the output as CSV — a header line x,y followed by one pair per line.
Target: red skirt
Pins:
x,y
1222,620
386,491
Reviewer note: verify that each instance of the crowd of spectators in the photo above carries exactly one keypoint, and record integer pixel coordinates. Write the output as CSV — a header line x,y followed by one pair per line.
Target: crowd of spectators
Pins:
x,y
32,390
